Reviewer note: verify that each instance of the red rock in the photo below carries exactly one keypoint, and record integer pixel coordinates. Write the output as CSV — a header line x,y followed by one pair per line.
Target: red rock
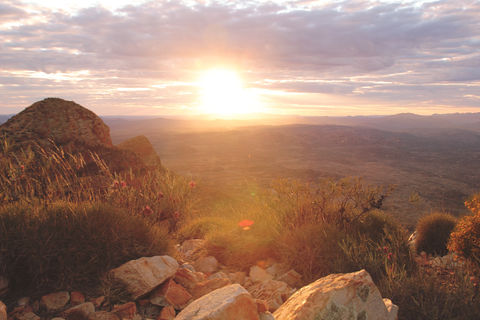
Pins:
x,y
167,313
207,286
76,298
173,293
125,311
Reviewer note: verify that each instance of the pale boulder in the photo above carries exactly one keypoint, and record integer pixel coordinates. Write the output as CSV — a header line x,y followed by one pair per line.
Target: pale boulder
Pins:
x,y
232,302
145,274
337,296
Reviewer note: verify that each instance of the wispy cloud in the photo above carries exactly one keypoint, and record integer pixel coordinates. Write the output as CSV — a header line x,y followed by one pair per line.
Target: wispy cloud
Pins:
x,y
391,55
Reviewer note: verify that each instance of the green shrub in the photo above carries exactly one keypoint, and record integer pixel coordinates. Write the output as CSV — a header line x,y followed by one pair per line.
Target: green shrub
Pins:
x,y
465,240
312,250
421,296
433,232
70,246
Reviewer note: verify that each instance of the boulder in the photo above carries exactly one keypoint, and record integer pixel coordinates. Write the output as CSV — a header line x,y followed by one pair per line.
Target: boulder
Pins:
x,y
232,302
206,264
55,301
274,292
83,310
258,274
207,286
337,296
143,275
3,311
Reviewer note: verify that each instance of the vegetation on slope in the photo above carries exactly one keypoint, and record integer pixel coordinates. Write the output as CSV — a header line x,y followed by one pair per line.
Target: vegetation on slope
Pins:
x,y
55,219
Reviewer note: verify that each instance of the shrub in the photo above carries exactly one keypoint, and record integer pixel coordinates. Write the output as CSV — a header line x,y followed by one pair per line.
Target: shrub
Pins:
x,y
427,297
313,250
66,246
433,232
465,240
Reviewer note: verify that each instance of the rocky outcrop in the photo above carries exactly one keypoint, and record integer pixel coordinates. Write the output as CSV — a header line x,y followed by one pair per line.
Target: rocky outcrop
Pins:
x,y
143,275
163,290
232,302
142,147
65,122
337,296
54,122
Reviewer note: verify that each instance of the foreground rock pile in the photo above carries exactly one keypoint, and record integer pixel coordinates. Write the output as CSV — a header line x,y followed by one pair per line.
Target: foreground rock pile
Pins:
x,y
195,287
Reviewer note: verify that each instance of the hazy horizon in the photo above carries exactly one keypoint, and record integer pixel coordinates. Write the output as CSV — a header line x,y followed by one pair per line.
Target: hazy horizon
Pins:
x,y
307,58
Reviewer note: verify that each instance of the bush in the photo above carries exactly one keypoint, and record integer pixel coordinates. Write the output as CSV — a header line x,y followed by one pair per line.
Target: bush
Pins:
x,y
433,232
70,246
465,240
420,296
312,250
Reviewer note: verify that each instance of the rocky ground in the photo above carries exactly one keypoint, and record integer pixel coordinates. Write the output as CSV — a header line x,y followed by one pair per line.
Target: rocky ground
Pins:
x,y
195,286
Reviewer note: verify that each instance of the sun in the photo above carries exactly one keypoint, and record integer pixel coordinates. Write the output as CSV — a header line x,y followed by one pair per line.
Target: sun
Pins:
x,y
223,94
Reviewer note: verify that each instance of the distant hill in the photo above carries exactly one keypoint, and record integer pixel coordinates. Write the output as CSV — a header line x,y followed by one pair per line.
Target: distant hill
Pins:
x,y
435,171
405,122
57,122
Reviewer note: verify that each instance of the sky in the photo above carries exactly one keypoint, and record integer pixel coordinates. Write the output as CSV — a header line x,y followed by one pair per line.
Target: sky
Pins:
x,y
301,57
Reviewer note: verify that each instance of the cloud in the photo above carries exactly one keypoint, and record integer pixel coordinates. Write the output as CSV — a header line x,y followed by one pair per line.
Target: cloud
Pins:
x,y
139,45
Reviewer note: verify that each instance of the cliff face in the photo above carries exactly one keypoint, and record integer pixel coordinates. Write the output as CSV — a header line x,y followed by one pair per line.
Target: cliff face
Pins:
x,y
65,122
75,129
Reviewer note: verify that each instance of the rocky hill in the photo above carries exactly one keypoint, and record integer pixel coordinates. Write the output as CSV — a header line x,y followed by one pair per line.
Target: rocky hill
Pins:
x,y
56,122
